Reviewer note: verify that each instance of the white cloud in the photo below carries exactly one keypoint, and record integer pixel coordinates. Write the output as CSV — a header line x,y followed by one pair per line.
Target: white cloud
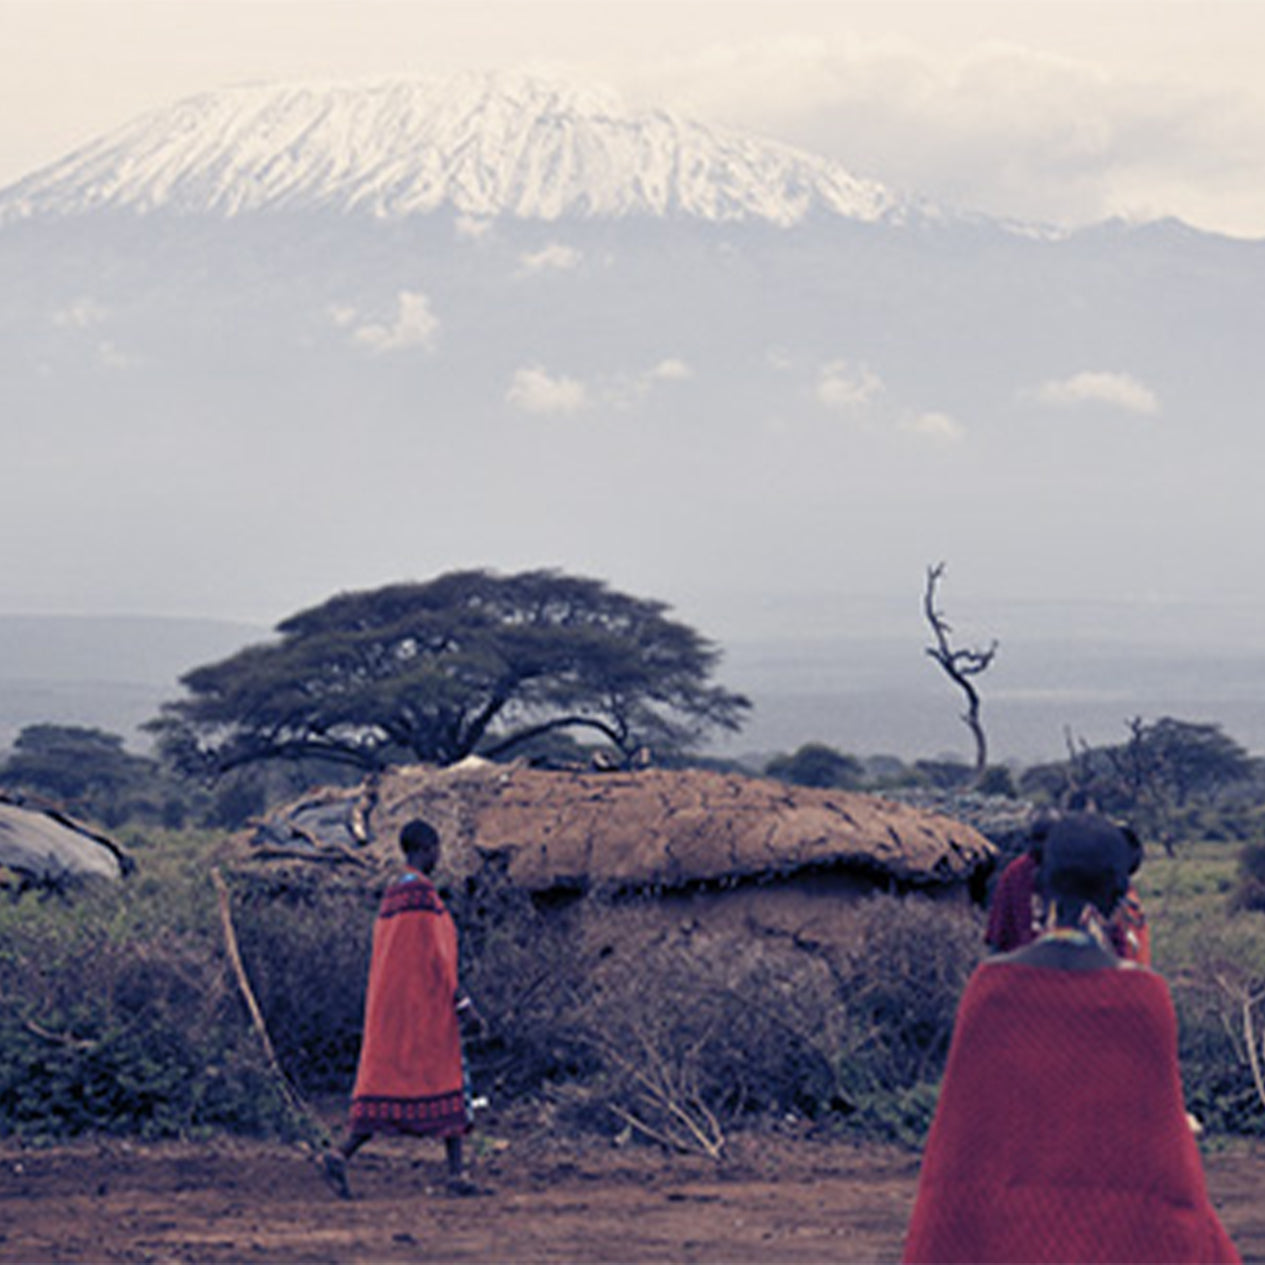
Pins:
x,y
670,370
80,313
1118,390
535,391
842,385
415,325
341,315
554,257
626,389
110,357
935,425
1002,127
472,227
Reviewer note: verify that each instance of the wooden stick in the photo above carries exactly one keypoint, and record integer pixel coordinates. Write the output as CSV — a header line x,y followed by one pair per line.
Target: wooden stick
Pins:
x,y
1253,1054
298,1107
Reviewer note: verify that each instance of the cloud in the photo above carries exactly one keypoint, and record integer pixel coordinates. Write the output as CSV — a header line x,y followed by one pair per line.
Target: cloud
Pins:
x,y
341,315
471,227
552,258
415,325
935,426
623,390
842,385
1000,127
80,313
670,370
1117,390
110,357
535,391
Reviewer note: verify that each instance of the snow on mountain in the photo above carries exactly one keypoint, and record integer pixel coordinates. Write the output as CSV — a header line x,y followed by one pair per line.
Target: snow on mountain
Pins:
x,y
481,144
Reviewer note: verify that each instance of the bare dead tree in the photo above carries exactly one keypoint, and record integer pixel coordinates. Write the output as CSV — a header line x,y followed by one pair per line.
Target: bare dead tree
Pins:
x,y
959,665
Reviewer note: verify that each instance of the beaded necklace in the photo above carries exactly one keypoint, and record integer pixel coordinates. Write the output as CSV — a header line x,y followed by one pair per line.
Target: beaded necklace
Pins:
x,y
1069,935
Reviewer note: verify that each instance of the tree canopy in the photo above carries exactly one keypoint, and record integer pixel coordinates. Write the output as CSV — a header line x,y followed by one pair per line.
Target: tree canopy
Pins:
x,y
819,765
83,769
470,662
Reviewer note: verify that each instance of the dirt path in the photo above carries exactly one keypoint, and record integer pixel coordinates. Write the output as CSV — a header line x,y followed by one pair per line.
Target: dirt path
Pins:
x,y
780,1200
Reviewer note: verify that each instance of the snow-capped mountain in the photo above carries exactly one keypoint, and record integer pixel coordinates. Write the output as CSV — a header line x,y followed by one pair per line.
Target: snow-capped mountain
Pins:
x,y
480,144
277,341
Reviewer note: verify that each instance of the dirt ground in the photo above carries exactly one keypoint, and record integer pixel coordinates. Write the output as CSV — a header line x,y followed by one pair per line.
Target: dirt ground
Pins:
x,y
784,1198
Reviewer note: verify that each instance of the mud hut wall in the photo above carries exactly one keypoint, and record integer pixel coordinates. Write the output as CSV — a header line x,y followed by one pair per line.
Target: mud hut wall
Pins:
x,y
804,911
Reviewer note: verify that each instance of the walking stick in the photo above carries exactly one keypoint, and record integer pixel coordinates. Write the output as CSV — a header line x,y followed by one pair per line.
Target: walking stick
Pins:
x,y
316,1138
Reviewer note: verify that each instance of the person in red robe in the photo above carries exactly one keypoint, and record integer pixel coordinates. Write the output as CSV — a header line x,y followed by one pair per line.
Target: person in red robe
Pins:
x,y
411,1077
1017,912
1061,1134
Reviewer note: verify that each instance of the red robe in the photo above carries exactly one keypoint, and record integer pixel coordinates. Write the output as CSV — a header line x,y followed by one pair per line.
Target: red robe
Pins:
x,y
410,1078
1012,916
1061,1133
1017,911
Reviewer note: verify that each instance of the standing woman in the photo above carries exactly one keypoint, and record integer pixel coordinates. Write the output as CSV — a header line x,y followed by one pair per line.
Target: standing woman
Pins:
x,y
411,1078
1061,1133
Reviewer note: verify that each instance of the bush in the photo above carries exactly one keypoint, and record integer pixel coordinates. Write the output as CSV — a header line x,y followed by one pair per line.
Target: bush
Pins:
x,y
1249,891
698,1033
305,942
109,1025
1221,1010
694,1034
815,764
901,982
119,1014
526,972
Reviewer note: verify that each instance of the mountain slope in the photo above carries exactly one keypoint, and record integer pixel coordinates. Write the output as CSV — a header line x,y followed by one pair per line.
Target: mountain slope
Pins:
x,y
482,144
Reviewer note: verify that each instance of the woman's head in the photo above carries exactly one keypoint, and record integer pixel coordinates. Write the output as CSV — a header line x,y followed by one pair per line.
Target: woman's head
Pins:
x,y
419,841
1086,860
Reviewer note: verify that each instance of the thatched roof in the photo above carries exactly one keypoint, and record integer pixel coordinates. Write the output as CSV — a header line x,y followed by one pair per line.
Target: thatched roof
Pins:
x,y
650,828
44,847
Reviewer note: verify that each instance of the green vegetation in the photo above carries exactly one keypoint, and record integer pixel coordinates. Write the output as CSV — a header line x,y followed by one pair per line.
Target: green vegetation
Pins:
x,y
120,1013
1212,952
117,1015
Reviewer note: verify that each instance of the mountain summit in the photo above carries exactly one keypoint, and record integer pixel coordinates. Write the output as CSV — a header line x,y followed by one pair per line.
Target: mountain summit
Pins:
x,y
480,144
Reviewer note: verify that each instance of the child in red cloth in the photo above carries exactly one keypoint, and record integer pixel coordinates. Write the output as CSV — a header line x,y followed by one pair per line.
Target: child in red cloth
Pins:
x,y
1064,1058
411,1077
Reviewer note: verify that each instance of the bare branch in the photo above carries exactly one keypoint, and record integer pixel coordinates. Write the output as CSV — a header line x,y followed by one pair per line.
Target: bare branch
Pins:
x,y
959,665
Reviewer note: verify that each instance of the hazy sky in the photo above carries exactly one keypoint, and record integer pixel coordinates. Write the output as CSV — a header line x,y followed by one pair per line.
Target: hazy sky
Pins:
x,y
1060,111
1049,109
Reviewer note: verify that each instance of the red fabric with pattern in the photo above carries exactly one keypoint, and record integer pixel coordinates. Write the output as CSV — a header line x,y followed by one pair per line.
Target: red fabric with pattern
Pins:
x,y
1061,1132
410,1078
1010,916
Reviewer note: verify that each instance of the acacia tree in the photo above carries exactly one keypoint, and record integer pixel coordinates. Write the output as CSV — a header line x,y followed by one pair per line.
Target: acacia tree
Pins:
x,y
470,662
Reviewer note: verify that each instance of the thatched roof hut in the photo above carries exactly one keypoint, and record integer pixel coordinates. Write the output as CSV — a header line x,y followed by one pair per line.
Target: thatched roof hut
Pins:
x,y
651,829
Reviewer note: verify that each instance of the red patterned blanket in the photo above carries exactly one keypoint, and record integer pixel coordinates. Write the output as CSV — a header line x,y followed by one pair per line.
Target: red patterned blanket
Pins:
x,y
410,1078
1061,1134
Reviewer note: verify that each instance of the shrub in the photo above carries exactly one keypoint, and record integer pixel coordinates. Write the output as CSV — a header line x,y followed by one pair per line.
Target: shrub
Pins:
x,y
526,972
112,1025
1221,1009
305,941
697,1032
1249,891
900,982
815,764
692,1034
